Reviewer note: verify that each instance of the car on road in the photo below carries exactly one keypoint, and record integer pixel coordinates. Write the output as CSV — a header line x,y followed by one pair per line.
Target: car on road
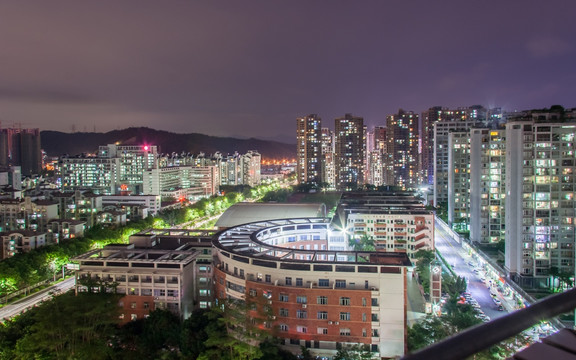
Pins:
x,y
497,302
500,308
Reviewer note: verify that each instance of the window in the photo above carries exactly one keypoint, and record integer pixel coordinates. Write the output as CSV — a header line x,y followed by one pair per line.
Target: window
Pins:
x,y
345,316
363,301
288,281
364,317
323,282
253,292
322,315
344,301
322,300
344,332
301,314
268,278
374,317
283,327
302,329
323,331
284,297
340,284
146,305
133,317
283,312
298,281
301,299
133,305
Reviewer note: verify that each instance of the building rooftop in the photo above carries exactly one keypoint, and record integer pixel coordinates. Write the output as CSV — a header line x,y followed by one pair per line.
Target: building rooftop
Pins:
x,y
26,233
243,213
102,257
69,221
258,240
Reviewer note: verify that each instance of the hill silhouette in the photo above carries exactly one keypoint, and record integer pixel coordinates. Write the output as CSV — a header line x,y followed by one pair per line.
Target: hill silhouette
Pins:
x,y
57,143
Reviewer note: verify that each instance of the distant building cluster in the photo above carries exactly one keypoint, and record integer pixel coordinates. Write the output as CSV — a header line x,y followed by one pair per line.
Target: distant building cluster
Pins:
x,y
501,176
142,170
117,184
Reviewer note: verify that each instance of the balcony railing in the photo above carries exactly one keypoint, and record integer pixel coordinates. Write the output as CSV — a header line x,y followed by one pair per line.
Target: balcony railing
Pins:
x,y
483,336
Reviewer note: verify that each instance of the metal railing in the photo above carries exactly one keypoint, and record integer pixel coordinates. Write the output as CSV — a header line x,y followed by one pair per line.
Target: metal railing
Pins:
x,y
481,337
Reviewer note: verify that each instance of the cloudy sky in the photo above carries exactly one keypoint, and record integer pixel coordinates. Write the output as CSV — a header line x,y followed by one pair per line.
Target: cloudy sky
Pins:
x,y
249,68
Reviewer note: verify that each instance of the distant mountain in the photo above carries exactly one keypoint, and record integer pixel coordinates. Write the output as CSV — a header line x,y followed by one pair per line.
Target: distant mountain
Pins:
x,y
56,143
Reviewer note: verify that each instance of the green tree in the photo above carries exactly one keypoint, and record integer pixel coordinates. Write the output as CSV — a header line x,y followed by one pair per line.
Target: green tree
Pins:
x,y
453,285
362,243
354,352
70,326
243,335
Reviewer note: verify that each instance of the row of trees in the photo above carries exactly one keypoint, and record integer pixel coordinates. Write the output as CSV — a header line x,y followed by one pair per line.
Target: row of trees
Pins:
x,y
26,269
456,315
85,327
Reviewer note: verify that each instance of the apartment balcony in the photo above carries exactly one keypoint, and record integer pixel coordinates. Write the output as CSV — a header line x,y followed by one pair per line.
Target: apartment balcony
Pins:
x,y
420,237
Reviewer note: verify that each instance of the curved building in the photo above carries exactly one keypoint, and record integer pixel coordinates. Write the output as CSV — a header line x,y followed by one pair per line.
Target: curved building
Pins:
x,y
313,296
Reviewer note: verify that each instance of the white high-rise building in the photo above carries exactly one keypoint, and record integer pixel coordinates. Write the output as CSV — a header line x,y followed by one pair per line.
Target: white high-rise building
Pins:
x,y
487,185
540,199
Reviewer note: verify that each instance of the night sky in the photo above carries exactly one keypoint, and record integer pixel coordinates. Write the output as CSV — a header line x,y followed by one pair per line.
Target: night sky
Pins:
x,y
248,68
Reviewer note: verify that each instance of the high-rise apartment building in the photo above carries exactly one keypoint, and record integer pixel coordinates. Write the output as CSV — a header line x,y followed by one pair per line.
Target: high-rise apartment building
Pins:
x,y
540,198
459,179
487,196
309,149
427,121
403,155
21,147
328,163
134,160
349,151
375,156
82,172
449,121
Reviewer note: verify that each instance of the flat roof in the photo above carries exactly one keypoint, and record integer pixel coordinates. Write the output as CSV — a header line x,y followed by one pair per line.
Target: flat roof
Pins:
x,y
245,212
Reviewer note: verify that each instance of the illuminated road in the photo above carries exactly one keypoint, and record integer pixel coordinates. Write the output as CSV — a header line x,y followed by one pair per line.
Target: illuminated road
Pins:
x,y
453,253
17,307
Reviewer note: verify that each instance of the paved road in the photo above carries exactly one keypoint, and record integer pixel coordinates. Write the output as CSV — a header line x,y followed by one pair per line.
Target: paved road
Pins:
x,y
17,307
452,251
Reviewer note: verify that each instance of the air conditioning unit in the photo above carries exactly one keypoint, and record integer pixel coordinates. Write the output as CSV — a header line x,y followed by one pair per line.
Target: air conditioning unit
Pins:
x,y
269,301
329,322
337,323
273,317
304,306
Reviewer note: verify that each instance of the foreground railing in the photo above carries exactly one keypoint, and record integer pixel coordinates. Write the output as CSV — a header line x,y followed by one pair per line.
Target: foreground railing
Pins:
x,y
483,336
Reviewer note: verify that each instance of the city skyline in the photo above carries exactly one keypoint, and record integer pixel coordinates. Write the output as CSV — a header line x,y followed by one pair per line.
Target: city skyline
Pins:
x,y
249,69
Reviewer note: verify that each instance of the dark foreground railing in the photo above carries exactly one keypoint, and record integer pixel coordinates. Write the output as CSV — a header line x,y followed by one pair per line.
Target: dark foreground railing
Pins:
x,y
491,333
